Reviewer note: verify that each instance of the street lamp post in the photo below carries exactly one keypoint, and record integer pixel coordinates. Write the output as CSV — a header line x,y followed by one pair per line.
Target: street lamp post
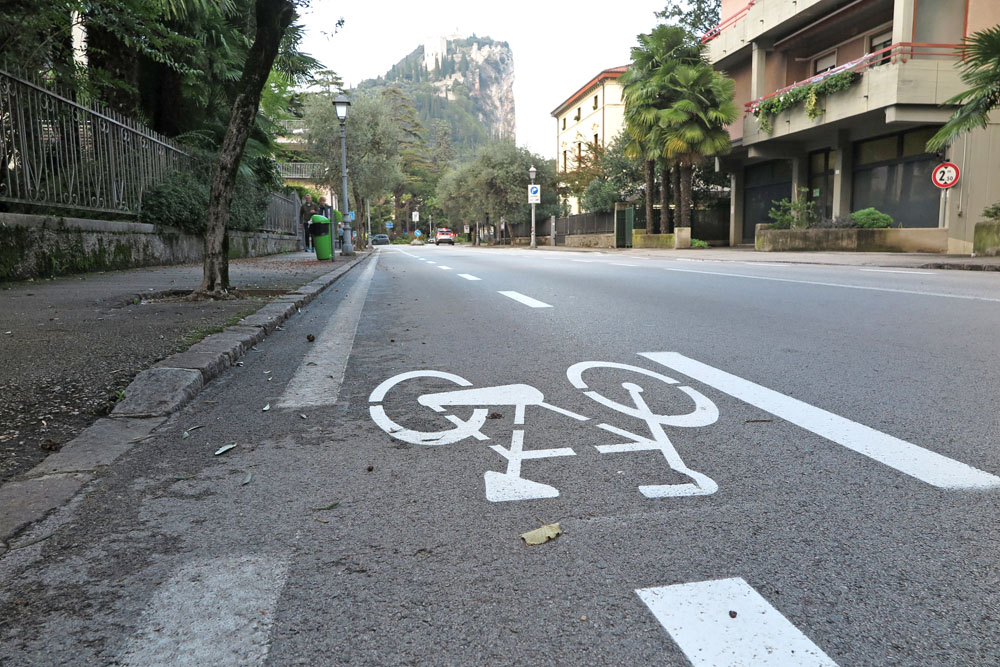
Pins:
x,y
531,173
341,104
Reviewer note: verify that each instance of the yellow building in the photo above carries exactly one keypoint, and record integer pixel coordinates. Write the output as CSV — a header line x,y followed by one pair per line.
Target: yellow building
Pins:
x,y
862,146
593,114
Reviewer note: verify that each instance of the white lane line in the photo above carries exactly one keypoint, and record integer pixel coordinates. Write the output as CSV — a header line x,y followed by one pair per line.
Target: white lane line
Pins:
x,y
584,261
526,300
907,458
620,264
211,612
919,273
445,268
824,284
318,378
403,252
727,622
469,277
764,264
430,262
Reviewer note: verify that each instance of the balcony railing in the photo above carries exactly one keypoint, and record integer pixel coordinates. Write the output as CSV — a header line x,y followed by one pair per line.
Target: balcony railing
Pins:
x,y
303,170
727,22
899,52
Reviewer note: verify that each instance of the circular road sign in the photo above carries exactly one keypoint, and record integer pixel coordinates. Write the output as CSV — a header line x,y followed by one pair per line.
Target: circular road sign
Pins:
x,y
945,175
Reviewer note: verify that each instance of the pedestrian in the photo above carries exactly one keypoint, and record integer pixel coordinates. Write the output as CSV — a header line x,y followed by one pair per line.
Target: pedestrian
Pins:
x,y
340,234
324,208
306,213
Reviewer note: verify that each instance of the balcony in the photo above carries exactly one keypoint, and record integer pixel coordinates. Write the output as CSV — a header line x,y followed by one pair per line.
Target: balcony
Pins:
x,y
305,171
907,81
760,18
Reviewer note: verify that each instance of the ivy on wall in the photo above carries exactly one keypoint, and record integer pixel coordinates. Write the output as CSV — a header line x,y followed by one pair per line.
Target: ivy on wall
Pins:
x,y
808,94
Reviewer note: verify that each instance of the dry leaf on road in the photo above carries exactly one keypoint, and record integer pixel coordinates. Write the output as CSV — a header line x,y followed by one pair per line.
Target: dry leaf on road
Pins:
x,y
547,532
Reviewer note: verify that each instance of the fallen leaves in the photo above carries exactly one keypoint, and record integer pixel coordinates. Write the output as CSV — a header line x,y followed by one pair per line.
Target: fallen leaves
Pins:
x,y
547,533
224,449
247,480
266,408
310,338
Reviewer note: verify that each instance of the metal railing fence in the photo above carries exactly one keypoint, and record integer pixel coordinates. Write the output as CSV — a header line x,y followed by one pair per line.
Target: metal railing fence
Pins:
x,y
55,152
302,170
283,214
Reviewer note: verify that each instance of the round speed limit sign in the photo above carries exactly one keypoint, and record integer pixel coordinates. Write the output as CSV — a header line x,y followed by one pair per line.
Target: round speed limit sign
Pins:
x,y
945,175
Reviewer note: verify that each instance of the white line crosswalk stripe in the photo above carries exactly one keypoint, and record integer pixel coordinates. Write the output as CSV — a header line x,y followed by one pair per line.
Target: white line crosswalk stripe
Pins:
x,y
727,622
526,300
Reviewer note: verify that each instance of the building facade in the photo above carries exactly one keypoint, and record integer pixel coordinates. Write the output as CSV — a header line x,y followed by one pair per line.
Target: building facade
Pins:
x,y
594,114
891,64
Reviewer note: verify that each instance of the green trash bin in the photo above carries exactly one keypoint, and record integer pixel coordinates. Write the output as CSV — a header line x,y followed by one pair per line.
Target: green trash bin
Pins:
x,y
319,228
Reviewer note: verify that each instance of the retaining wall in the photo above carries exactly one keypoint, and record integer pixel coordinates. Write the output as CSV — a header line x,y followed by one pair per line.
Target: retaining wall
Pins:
x,y
852,240
36,246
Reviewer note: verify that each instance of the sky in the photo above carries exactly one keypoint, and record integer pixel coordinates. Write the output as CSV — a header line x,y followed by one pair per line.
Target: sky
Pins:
x,y
557,46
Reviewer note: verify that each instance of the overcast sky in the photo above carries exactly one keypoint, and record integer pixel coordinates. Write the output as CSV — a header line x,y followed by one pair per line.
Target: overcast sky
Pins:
x,y
557,46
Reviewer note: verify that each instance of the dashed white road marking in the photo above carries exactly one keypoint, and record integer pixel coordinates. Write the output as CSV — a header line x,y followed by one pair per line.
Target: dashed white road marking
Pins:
x,y
212,612
727,622
468,276
909,459
842,285
430,262
584,261
765,264
620,264
445,268
919,273
526,300
318,378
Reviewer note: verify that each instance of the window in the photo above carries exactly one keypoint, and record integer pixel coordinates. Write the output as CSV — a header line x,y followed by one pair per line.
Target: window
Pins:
x,y
579,153
892,173
595,101
565,160
825,62
564,122
578,114
596,141
879,41
821,181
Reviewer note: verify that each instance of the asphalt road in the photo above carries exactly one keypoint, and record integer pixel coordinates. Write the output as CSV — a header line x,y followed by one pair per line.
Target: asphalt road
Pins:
x,y
751,464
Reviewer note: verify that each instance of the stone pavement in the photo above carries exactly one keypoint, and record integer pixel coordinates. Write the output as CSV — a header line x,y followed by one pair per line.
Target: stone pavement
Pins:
x,y
70,346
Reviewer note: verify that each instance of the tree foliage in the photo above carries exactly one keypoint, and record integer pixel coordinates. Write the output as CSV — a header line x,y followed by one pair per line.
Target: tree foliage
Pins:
x,y
696,16
981,72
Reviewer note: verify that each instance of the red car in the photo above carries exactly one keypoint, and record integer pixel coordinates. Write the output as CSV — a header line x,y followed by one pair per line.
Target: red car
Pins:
x,y
444,235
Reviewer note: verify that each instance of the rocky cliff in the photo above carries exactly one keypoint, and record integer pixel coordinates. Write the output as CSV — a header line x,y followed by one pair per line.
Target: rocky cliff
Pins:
x,y
471,80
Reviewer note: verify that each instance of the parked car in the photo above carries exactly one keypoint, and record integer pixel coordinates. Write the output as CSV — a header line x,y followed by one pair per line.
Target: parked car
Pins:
x,y
380,239
444,235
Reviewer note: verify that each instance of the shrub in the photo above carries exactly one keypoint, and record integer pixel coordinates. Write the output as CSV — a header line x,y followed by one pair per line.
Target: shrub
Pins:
x,y
992,212
797,214
871,218
698,243
181,200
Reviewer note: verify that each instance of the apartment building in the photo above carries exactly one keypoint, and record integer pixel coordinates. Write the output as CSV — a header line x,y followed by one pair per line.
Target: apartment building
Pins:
x,y
864,144
595,113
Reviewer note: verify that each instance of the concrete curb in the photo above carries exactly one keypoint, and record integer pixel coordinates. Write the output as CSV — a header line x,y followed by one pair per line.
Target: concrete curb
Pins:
x,y
153,395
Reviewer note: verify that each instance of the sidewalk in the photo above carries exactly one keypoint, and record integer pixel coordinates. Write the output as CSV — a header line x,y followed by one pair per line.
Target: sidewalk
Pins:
x,y
748,254
71,345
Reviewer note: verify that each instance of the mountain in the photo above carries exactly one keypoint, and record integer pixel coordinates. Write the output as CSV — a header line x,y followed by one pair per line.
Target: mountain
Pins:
x,y
468,82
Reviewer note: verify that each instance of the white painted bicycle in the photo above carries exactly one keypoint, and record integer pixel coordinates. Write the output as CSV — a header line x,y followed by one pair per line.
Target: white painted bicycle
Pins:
x,y
510,485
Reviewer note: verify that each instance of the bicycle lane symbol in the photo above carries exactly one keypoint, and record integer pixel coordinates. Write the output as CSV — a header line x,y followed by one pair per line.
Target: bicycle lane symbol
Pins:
x,y
511,485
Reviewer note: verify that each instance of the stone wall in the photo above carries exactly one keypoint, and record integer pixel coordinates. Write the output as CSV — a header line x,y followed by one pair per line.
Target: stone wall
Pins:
x,y
852,240
35,246
590,241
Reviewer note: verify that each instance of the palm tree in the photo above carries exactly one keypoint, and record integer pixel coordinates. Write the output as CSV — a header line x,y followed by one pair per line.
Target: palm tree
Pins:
x,y
647,93
981,72
692,128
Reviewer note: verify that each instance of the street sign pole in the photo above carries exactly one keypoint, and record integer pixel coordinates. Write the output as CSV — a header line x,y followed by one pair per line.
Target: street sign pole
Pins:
x,y
534,197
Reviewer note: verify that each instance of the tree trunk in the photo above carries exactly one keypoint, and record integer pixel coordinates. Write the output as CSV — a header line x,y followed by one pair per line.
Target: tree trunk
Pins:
x,y
665,227
685,203
650,225
675,185
272,18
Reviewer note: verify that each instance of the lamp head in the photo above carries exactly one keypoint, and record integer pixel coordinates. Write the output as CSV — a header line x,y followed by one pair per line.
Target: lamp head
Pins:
x,y
341,104
532,172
